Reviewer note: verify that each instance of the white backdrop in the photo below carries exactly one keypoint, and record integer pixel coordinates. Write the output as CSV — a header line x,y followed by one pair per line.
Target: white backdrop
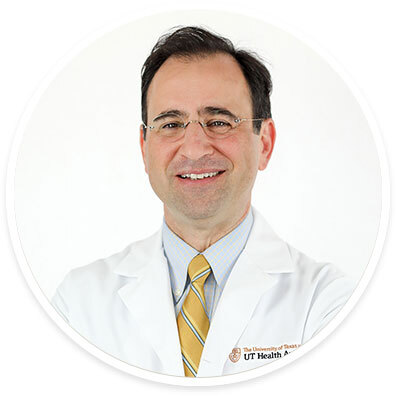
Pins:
x,y
80,189
37,357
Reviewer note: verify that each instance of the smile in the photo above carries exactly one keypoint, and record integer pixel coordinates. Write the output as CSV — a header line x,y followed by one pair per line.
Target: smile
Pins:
x,y
195,176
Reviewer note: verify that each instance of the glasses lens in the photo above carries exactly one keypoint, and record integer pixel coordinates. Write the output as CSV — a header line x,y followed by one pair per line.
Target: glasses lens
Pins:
x,y
175,127
169,128
218,127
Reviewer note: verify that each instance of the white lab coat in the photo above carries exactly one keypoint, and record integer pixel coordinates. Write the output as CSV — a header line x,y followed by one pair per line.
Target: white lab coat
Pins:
x,y
275,299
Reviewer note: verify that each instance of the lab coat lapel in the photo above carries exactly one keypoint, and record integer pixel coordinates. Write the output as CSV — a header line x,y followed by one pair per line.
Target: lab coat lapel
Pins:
x,y
250,278
148,298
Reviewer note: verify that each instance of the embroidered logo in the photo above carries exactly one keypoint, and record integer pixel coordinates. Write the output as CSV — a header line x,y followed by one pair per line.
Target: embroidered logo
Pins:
x,y
257,353
235,355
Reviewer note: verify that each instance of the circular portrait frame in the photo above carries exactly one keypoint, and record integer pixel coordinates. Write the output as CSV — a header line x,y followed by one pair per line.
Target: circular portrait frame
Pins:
x,y
22,159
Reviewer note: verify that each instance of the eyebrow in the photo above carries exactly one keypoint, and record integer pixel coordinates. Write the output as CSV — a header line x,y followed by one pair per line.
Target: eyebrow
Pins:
x,y
170,113
211,110
208,110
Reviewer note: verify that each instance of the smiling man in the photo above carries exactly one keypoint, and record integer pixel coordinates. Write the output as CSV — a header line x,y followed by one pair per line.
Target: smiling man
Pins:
x,y
203,172
215,291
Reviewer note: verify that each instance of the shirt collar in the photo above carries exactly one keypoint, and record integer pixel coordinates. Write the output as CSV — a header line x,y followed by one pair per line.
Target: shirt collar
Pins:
x,y
221,256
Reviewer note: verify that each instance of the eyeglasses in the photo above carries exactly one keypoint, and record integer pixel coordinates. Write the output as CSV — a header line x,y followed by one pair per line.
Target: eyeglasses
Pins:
x,y
216,128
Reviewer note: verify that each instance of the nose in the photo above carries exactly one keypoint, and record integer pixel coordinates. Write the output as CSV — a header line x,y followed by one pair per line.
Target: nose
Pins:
x,y
195,143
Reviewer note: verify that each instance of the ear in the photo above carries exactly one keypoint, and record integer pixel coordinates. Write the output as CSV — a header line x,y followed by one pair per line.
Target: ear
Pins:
x,y
267,141
143,146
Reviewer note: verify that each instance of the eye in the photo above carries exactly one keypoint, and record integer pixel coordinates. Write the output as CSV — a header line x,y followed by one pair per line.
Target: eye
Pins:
x,y
219,127
218,124
171,125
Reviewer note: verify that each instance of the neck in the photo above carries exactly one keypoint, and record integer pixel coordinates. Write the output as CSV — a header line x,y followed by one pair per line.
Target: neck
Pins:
x,y
202,233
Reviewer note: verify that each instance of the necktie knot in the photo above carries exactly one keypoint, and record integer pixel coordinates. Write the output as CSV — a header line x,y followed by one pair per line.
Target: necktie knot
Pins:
x,y
199,269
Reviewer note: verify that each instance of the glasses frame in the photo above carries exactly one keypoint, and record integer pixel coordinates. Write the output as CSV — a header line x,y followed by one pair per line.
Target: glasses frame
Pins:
x,y
238,122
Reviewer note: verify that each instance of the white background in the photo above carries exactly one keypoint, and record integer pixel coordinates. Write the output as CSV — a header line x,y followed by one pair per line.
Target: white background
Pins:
x,y
81,192
38,357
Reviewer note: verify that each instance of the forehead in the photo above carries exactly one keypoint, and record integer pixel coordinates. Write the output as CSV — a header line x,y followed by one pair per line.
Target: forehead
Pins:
x,y
189,84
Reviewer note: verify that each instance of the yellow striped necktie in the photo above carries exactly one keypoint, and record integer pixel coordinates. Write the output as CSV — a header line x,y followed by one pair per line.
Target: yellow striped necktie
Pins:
x,y
193,321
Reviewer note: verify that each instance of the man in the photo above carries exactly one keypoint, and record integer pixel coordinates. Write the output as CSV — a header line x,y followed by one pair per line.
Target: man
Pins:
x,y
215,291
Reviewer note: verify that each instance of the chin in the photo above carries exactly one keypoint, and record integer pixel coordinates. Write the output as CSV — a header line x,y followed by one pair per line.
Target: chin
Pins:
x,y
199,213
198,210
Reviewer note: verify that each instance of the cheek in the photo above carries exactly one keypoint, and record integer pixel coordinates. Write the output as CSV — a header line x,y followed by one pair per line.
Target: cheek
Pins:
x,y
242,153
158,158
230,148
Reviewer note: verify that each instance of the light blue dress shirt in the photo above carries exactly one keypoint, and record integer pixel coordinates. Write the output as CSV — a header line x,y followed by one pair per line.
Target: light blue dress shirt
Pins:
x,y
221,256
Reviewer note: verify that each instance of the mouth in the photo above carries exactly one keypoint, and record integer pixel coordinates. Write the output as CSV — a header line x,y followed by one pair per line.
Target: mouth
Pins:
x,y
199,176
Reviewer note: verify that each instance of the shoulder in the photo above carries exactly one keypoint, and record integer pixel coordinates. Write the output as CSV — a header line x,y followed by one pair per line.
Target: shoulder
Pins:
x,y
97,271
278,256
319,282
313,271
95,279
319,289
106,274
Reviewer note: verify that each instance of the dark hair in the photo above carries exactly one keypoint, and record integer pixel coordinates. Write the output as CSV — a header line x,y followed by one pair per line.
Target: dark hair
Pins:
x,y
192,41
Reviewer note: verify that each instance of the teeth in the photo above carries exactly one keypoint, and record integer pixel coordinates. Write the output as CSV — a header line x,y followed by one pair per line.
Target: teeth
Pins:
x,y
194,176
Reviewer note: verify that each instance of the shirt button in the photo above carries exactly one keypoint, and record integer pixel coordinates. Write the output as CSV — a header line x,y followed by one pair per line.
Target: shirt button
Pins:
x,y
177,292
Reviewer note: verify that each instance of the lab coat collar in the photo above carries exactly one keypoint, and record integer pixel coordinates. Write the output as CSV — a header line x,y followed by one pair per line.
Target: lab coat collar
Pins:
x,y
148,296
266,249
253,274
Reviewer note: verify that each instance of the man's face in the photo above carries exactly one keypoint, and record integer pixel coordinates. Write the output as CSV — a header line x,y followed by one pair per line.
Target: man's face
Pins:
x,y
191,86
